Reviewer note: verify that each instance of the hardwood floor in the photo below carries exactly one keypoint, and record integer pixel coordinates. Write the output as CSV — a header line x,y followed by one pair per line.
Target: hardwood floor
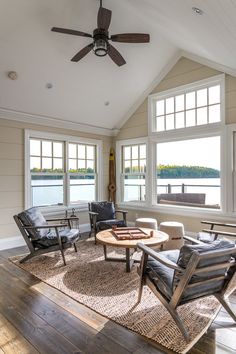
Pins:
x,y
36,318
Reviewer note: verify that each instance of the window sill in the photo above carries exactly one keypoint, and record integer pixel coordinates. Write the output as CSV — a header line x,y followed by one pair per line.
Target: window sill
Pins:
x,y
59,210
179,210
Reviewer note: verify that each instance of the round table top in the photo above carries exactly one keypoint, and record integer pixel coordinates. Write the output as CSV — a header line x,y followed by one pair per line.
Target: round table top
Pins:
x,y
106,237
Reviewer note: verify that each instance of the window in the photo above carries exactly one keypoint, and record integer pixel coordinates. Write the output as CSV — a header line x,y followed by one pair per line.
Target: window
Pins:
x,y
47,172
61,171
190,106
188,172
134,173
182,171
186,128
82,172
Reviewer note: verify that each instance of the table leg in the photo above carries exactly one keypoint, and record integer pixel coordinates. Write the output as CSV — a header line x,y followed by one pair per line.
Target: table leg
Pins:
x,y
128,266
105,251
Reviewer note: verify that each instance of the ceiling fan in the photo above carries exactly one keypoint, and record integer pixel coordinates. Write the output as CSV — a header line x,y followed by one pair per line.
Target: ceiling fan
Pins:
x,y
100,44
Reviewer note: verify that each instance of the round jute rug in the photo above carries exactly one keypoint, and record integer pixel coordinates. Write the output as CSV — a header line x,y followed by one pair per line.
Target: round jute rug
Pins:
x,y
106,288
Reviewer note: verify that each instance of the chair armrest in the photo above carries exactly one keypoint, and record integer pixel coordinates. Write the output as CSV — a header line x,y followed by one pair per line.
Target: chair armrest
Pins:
x,y
61,219
217,223
121,211
44,226
93,213
193,240
168,263
217,232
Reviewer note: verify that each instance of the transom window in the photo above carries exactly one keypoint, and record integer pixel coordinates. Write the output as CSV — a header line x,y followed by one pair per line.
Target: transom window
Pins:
x,y
62,172
134,172
187,108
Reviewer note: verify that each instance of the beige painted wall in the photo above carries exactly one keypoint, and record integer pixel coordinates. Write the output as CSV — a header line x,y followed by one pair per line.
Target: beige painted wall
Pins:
x,y
184,72
12,170
12,147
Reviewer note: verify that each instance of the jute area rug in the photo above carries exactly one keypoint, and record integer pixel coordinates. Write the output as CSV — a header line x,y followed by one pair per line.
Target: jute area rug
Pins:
x,y
106,288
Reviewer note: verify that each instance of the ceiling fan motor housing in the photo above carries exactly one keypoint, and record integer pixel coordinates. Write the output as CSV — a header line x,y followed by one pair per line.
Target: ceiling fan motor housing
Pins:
x,y
101,45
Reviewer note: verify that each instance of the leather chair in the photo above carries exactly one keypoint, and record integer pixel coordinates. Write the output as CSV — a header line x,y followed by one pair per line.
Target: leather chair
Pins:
x,y
195,271
102,216
42,237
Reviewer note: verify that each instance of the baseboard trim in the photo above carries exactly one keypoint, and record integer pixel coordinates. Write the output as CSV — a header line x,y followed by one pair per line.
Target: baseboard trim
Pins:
x,y
18,241
11,242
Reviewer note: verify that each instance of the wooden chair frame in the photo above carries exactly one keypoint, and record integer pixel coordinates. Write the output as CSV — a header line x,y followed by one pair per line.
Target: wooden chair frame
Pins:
x,y
38,251
214,232
186,275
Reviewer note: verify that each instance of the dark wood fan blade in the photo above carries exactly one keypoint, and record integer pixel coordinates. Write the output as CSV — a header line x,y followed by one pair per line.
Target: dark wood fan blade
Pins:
x,y
131,38
69,31
82,53
116,56
104,18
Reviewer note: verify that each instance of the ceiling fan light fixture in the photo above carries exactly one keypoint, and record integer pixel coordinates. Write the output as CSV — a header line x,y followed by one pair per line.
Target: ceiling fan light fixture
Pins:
x,y
100,47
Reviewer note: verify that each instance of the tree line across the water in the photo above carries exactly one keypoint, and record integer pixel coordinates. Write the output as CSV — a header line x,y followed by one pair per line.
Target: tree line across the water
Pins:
x,y
175,171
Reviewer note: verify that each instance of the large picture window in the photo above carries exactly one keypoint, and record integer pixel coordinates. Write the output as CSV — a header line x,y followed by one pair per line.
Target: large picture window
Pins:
x,y
61,172
188,173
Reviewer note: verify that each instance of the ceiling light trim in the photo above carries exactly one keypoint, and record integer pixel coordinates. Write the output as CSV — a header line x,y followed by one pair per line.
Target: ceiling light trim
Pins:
x,y
54,122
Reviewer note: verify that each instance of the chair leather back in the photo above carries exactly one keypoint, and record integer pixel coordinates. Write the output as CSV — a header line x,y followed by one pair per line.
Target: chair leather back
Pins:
x,y
105,210
211,281
33,217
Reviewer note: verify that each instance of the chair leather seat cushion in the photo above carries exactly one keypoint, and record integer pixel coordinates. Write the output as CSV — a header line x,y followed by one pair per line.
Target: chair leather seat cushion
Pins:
x,y
205,237
107,224
160,275
50,239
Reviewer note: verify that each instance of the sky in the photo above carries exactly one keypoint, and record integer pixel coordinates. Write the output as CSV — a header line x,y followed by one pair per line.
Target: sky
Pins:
x,y
195,152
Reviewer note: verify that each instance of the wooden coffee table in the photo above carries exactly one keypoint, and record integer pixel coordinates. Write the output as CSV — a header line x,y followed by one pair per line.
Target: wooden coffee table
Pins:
x,y
106,238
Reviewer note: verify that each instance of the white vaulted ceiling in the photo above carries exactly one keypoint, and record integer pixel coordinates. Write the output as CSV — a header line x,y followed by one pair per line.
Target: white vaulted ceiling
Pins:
x,y
81,89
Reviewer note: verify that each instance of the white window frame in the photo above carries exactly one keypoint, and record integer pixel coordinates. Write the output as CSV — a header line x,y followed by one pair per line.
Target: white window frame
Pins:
x,y
119,176
230,158
199,131
30,134
194,86
181,210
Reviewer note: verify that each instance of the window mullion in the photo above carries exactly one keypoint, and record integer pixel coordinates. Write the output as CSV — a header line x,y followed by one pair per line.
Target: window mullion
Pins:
x,y
66,174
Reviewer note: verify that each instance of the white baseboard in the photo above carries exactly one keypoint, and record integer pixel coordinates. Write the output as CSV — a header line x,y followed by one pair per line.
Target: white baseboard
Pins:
x,y
18,241
11,242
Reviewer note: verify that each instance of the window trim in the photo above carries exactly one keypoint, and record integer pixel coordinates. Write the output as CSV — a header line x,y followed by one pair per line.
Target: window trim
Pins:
x,y
196,85
66,139
201,131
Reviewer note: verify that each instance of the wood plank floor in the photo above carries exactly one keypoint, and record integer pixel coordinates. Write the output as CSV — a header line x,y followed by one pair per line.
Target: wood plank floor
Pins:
x,y
36,318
